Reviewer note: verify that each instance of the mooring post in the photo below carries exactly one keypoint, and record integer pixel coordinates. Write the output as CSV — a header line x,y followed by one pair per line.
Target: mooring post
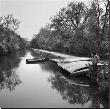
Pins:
x,y
94,72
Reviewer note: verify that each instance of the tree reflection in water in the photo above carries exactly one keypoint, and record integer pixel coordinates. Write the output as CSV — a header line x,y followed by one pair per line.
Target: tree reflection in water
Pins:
x,y
9,79
8,64
70,92
74,94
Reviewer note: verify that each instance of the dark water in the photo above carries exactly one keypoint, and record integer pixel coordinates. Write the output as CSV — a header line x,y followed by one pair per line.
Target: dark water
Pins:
x,y
43,85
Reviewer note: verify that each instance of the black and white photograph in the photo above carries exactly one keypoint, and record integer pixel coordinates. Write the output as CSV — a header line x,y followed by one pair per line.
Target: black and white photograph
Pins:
x,y
54,53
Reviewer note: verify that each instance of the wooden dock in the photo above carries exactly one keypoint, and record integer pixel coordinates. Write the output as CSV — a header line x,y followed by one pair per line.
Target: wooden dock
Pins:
x,y
75,66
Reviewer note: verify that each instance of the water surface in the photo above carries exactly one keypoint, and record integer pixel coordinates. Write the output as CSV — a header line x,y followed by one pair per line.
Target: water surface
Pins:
x,y
42,85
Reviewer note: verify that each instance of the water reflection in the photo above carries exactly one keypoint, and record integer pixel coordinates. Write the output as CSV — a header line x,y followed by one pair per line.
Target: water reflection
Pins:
x,y
8,65
44,85
73,93
70,92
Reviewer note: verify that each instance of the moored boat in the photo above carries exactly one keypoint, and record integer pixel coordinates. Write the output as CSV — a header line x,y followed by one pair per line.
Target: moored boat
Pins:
x,y
35,60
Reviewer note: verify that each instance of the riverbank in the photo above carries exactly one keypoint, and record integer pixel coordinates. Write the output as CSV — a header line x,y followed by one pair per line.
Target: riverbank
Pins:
x,y
72,63
63,56
67,58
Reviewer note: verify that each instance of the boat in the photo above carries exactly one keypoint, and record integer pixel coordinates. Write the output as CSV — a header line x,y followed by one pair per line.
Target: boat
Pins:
x,y
35,60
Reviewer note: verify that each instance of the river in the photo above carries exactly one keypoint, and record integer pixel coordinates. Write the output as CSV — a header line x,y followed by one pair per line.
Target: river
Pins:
x,y
43,85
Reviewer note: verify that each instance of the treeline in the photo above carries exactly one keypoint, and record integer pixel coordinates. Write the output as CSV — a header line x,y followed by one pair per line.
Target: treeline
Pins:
x,y
76,29
10,41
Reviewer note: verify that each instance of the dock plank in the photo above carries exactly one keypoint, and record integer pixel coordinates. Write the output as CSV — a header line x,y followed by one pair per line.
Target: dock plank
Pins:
x,y
75,67
71,66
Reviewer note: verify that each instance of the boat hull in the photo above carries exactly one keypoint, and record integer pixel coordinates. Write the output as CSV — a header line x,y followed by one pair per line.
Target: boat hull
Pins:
x,y
35,61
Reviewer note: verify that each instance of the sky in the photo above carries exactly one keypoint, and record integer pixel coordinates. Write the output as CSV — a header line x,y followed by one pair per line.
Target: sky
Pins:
x,y
33,14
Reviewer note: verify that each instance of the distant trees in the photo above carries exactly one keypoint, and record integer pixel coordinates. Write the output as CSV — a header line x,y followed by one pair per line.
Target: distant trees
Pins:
x,y
9,22
41,40
76,29
9,39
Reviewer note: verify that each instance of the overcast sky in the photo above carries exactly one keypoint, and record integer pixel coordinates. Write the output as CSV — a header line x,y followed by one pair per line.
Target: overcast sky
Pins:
x,y
33,14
